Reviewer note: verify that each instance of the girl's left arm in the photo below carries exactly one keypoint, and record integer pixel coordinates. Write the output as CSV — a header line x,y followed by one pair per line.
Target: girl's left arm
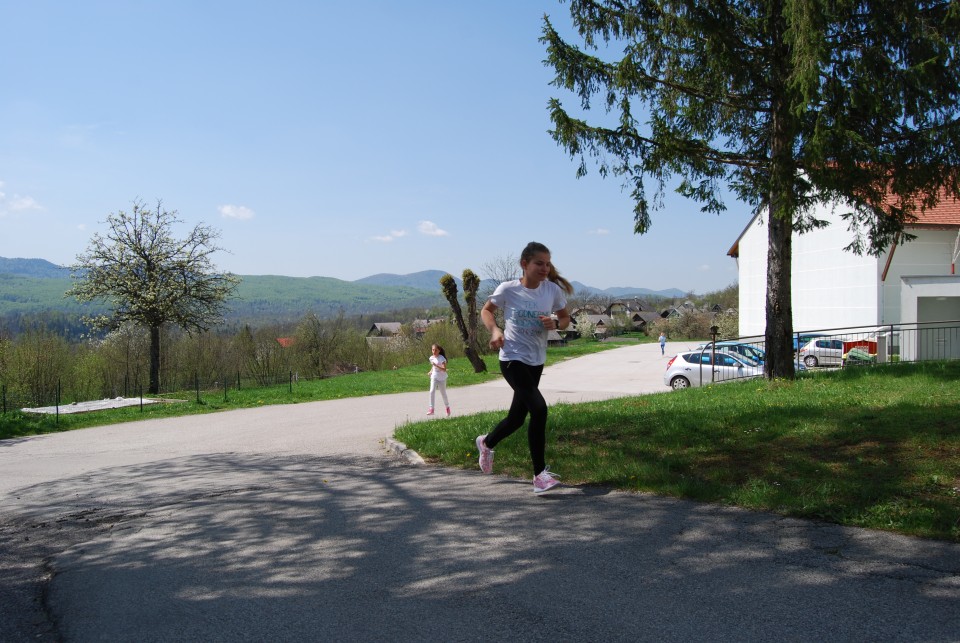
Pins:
x,y
563,318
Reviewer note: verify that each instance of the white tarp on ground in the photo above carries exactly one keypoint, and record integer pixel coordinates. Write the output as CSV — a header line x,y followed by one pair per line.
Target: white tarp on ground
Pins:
x,y
94,405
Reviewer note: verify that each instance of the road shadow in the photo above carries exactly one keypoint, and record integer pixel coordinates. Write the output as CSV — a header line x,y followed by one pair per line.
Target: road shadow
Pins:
x,y
240,547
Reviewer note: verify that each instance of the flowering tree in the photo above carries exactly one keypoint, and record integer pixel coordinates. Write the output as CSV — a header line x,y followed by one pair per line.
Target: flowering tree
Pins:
x,y
152,278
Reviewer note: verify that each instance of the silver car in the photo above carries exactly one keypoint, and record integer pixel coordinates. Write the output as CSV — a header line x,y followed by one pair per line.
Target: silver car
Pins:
x,y
696,368
747,350
822,351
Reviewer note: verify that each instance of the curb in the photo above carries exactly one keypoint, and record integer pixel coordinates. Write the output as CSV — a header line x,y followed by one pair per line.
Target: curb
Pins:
x,y
401,450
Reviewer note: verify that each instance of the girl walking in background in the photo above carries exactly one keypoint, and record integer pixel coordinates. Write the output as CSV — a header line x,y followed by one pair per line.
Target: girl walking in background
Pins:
x,y
532,305
438,377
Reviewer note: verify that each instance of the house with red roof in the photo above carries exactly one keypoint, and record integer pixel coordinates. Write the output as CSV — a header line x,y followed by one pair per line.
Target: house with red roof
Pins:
x,y
911,281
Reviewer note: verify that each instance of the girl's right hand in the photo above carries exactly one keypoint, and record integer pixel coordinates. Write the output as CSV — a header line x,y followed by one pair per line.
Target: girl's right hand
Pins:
x,y
496,339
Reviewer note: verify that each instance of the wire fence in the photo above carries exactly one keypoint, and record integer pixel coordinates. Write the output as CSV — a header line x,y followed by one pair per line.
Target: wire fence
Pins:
x,y
820,349
816,349
56,398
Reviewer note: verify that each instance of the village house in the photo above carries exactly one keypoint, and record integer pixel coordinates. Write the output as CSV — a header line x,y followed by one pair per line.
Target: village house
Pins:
x,y
383,332
908,283
420,326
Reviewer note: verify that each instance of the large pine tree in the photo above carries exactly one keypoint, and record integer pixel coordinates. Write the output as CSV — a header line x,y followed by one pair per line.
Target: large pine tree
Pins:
x,y
788,103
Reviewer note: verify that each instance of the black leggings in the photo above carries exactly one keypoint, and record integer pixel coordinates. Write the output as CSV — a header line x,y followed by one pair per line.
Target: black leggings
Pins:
x,y
524,380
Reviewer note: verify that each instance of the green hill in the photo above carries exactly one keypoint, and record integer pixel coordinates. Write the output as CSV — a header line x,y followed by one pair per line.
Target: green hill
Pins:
x,y
289,298
260,298
31,287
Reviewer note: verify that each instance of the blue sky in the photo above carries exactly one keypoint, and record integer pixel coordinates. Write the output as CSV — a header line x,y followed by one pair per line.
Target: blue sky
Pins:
x,y
335,139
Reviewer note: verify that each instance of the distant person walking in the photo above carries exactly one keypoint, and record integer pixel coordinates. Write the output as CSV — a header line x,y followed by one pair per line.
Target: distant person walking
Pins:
x,y
532,305
438,377
663,343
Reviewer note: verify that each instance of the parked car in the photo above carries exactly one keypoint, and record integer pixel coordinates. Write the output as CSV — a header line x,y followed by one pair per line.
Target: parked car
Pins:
x,y
746,350
694,368
804,338
822,352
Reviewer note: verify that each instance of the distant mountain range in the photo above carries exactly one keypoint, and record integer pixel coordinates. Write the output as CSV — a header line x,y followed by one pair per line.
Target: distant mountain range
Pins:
x,y
430,279
29,286
40,268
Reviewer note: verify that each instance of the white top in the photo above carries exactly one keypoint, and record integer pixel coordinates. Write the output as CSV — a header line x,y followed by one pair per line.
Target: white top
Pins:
x,y
436,372
524,337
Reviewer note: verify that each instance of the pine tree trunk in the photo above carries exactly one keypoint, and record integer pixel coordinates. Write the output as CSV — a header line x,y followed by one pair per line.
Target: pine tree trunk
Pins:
x,y
779,330
783,127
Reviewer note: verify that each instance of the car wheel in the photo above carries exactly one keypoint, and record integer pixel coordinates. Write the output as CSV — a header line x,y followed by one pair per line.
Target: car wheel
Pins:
x,y
679,382
810,361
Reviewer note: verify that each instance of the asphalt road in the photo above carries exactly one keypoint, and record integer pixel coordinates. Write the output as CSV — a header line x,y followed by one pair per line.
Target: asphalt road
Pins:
x,y
299,523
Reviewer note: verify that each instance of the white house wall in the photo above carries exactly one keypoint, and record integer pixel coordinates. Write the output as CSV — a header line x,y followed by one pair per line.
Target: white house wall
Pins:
x,y
752,278
831,288
834,288
929,254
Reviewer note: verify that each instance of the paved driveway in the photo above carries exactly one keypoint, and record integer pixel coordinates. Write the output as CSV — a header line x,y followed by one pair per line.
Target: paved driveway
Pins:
x,y
294,522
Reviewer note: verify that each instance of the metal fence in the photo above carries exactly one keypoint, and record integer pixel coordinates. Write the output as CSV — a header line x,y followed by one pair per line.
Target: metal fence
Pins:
x,y
888,343
820,349
185,385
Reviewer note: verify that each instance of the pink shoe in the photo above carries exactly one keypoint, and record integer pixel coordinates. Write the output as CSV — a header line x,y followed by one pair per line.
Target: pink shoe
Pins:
x,y
430,411
486,455
448,411
545,481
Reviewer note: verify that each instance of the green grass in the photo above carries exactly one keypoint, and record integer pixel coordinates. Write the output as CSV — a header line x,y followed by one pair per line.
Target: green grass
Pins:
x,y
402,380
870,447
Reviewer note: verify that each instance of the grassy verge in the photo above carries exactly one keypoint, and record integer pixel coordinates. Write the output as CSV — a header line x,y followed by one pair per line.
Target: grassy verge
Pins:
x,y
871,447
403,380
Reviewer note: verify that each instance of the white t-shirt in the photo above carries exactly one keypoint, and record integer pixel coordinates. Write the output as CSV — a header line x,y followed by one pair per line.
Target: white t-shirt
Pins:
x,y
524,337
438,373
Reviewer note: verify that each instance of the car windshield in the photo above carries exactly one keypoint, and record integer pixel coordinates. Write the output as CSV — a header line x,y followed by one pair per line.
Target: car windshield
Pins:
x,y
749,361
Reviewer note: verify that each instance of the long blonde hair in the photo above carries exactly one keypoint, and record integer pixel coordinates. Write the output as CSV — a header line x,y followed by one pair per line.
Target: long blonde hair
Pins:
x,y
535,247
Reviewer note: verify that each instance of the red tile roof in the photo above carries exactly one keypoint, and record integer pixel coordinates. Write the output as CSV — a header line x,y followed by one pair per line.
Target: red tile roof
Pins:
x,y
946,212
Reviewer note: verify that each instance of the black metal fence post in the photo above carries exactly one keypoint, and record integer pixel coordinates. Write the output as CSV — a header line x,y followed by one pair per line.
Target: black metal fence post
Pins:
x,y
713,350
196,384
58,402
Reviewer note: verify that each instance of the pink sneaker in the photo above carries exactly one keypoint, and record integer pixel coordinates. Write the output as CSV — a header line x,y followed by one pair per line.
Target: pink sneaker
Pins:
x,y
448,411
430,411
486,455
545,481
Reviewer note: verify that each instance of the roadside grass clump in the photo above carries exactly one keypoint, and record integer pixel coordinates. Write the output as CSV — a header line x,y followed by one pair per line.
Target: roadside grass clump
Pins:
x,y
870,447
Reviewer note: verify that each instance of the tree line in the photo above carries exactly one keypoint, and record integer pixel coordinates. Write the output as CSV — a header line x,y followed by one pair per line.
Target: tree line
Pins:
x,y
40,364
41,359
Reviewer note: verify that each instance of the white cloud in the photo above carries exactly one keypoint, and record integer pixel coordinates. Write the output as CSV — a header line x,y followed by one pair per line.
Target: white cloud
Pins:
x,y
16,203
387,238
239,212
705,268
430,229
81,227
599,231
